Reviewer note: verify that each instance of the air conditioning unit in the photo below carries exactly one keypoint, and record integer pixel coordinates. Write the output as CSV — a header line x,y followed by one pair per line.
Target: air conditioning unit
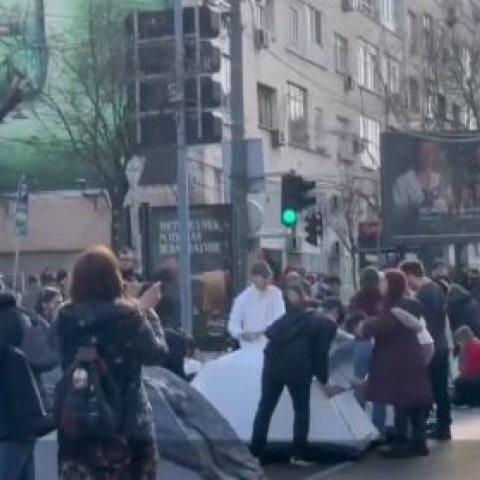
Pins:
x,y
348,83
279,138
360,145
348,5
262,38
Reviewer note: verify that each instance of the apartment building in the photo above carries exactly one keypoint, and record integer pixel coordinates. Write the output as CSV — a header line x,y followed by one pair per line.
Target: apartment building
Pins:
x,y
323,79
316,77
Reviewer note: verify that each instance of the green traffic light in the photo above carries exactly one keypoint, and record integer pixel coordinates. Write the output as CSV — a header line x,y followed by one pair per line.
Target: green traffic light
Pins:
x,y
289,218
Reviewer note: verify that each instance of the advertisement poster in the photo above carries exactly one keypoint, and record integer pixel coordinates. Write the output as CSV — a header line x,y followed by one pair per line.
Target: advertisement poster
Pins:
x,y
211,235
48,42
430,189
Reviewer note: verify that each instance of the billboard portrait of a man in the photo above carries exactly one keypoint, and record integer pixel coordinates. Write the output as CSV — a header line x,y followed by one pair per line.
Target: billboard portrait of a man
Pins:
x,y
430,188
423,187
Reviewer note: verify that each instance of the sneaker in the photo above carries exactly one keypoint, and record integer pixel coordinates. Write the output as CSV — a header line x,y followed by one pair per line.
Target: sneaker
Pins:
x,y
441,436
301,462
421,450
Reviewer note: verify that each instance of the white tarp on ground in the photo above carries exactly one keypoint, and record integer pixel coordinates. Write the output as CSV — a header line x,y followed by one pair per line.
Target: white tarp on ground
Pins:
x,y
232,384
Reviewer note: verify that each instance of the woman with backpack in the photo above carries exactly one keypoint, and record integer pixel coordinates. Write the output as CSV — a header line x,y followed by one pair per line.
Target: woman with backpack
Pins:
x,y
104,418
22,414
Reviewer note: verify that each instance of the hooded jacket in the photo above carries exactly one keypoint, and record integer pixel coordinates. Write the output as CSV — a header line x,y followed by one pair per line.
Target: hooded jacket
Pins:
x,y
463,310
298,347
22,414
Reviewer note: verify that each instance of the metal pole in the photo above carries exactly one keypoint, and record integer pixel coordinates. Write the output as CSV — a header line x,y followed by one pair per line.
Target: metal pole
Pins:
x,y
239,157
182,180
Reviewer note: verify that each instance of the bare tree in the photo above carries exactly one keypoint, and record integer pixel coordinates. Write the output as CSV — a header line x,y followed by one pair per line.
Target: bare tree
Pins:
x,y
356,200
85,106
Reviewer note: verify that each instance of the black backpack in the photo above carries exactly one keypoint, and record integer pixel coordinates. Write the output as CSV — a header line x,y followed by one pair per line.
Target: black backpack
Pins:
x,y
88,400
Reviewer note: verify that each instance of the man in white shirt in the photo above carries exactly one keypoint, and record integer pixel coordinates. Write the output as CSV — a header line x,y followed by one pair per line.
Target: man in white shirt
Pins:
x,y
256,308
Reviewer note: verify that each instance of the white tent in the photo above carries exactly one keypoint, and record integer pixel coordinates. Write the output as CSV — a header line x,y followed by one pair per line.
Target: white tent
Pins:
x,y
232,384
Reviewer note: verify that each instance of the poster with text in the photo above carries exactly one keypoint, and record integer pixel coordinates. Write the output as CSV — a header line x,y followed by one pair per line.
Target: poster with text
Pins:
x,y
211,237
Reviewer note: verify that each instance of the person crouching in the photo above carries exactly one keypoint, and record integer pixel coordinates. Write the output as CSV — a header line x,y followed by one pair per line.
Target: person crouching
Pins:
x,y
467,384
297,350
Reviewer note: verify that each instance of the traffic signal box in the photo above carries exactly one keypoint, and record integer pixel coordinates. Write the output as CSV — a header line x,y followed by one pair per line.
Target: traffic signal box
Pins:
x,y
153,96
313,228
296,193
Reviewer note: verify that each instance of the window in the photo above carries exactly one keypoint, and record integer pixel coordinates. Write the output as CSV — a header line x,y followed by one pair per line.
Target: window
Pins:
x,y
387,13
319,128
456,116
226,82
297,115
428,31
345,144
315,21
294,26
392,75
341,54
430,103
370,136
412,32
414,95
266,15
266,106
368,66
441,107
466,64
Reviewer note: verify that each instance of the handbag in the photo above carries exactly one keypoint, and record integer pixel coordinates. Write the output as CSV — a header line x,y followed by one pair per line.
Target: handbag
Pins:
x,y
24,411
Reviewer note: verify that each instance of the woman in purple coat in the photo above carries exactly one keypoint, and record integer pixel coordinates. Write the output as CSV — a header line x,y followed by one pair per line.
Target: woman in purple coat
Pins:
x,y
398,374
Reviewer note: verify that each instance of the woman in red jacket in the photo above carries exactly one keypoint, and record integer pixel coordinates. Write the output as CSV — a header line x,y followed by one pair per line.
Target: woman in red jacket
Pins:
x,y
398,374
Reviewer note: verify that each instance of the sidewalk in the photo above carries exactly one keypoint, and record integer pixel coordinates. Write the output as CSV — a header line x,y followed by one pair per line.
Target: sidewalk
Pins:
x,y
458,460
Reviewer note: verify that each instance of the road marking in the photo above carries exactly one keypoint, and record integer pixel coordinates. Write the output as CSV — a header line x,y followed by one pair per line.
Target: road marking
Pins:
x,y
331,471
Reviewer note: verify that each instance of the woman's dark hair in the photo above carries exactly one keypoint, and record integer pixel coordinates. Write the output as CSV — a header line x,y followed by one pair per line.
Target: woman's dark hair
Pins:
x,y
333,303
96,276
11,330
397,287
370,280
46,296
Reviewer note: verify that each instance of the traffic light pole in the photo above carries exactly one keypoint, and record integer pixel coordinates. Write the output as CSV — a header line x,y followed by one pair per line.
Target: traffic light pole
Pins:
x,y
239,153
182,180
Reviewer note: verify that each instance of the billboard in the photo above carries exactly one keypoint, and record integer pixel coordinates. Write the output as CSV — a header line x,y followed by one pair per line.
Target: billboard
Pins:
x,y
211,236
36,36
430,189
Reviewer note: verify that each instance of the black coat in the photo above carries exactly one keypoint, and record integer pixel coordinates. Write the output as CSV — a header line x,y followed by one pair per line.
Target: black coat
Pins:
x,y
463,310
298,347
124,338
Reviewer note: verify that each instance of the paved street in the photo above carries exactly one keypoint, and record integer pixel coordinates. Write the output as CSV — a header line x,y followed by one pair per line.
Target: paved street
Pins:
x,y
459,460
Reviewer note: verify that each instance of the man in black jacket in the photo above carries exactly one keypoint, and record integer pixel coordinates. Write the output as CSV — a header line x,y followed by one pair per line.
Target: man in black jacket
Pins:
x,y
434,311
22,415
297,351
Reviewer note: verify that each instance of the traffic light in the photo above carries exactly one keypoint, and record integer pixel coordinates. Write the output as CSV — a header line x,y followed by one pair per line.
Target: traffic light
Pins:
x,y
153,96
296,196
313,228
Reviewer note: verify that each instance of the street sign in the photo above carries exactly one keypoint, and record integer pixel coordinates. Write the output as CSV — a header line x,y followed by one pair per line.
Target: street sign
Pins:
x,y
21,210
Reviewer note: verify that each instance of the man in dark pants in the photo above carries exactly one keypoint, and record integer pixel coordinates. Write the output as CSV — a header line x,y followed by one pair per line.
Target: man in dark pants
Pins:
x,y
297,351
433,302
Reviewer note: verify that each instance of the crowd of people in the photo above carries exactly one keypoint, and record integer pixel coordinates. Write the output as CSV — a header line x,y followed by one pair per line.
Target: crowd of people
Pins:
x,y
99,325
404,325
